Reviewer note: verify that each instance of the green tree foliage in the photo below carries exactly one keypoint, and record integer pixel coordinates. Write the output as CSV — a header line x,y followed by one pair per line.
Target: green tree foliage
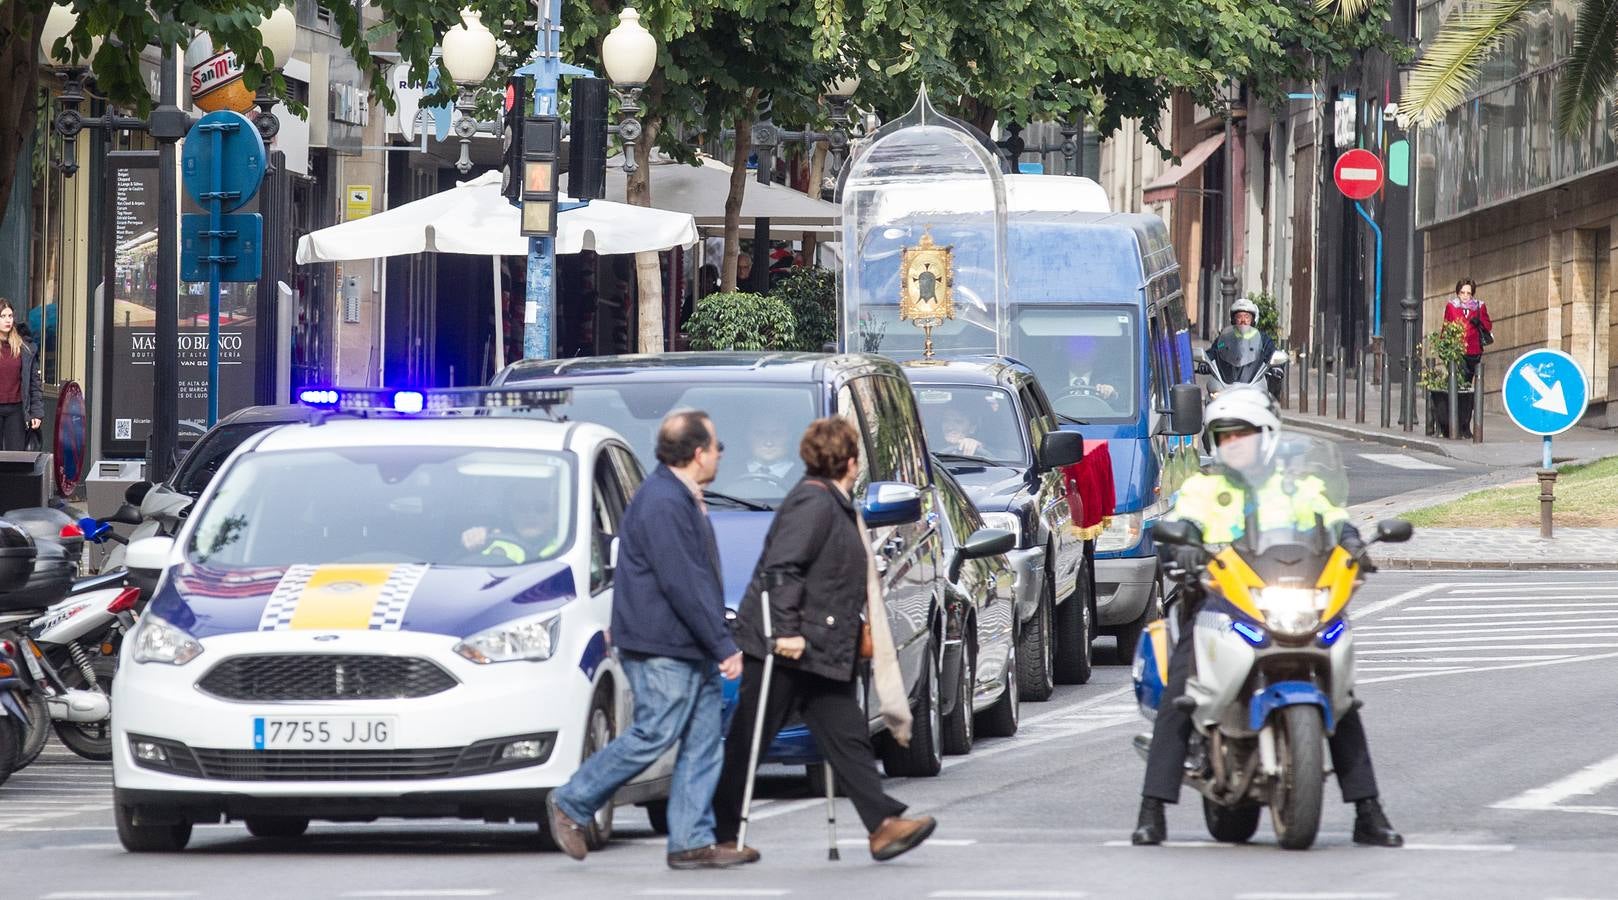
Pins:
x,y
741,321
1448,348
811,294
1269,314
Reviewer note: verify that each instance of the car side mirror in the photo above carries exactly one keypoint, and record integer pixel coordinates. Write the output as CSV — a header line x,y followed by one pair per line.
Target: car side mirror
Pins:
x,y
612,555
136,493
1177,533
1061,448
1185,405
983,543
1278,358
149,555
890,503
1392,531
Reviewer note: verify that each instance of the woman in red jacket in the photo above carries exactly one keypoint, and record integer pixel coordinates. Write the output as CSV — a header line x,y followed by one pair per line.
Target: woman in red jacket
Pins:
x,y
1473,314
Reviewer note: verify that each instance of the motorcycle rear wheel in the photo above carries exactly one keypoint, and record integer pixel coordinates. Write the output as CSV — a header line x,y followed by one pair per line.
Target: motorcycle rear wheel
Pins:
x,y
10,746
1295,803
1231,824
91,740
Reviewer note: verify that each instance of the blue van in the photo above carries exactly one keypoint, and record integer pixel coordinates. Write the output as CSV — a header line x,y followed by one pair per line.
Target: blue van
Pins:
x,y
1095,309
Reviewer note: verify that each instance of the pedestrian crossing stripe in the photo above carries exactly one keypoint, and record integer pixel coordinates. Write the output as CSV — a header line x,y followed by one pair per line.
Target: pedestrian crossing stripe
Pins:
x,y
1403,461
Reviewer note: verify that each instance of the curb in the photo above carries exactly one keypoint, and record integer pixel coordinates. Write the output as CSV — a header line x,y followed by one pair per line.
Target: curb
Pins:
x,y
1366,434
1519,565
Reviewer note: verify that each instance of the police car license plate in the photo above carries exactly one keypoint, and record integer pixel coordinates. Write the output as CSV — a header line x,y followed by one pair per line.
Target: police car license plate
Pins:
x,y
323,733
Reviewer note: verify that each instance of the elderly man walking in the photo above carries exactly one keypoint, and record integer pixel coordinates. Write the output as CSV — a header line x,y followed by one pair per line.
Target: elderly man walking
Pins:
x,y
668,623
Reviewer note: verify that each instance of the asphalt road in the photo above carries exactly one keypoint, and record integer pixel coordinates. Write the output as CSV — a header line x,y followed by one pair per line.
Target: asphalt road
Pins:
x,y
1488,701
1378,470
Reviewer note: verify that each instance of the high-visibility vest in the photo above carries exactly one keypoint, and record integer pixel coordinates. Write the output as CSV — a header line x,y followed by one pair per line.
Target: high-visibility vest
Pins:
x,y
1220,505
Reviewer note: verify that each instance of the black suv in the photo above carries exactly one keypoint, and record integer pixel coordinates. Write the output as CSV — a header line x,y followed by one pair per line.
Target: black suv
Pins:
x,y
990,422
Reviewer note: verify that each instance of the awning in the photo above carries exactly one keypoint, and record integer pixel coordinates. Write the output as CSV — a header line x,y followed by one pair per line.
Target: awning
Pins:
x,y
1169,182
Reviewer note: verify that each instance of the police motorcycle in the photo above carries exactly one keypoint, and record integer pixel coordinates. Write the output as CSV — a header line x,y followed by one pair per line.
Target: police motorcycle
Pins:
x,y
1239,357
1274,653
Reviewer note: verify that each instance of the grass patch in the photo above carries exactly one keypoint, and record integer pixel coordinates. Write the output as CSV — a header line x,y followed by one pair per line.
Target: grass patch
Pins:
x,y
1586,497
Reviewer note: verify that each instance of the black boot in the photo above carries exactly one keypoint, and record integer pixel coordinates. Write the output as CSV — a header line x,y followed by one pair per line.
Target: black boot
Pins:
x,y
1371,825
1150,829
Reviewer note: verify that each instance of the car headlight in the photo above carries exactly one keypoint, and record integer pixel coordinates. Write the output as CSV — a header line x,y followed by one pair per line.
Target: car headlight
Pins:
x,y
1121,534
1292,611
532,638
159,641
1005,521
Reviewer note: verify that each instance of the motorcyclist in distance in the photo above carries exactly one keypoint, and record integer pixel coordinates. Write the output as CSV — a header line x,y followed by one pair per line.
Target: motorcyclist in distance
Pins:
x,y
1242,344
1244,429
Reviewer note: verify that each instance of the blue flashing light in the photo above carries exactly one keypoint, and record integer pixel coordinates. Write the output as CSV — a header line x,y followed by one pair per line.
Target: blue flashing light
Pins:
x,y
1333,633
318,397
408,402
1254,636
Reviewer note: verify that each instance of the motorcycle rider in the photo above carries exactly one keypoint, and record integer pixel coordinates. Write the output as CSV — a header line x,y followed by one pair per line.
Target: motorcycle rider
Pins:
x,y
1243,329
1244,428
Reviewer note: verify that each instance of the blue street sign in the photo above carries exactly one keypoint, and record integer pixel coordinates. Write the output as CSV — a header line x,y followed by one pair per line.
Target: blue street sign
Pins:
x,y
241,155
241,239
1545,392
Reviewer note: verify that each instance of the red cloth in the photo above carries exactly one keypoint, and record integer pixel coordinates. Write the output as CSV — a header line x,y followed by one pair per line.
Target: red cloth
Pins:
x,y
1453,312
10,375
1091,496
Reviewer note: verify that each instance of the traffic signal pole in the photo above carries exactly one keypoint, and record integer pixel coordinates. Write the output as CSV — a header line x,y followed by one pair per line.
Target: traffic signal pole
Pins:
x,y
539,309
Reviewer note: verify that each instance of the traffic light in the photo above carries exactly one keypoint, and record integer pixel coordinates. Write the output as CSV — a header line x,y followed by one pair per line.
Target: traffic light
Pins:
x,y
587,153
541,144
511,139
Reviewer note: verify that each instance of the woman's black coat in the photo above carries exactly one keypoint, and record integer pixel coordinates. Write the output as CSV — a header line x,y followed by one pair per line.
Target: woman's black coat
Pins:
x,y
814,545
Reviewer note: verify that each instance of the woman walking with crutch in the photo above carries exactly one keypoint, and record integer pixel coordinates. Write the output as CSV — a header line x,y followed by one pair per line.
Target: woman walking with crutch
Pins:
x,y
819,576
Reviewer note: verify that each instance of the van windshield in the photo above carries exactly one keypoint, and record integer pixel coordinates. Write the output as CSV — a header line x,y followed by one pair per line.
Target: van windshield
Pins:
x,y
1087,357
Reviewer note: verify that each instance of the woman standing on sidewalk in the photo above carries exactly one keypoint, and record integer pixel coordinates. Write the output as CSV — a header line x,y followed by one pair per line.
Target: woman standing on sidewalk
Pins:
x,y
1473,314
21,401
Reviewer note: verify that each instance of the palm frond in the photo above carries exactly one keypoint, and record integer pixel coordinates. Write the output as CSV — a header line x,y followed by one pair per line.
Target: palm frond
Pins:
x,y
1346,9
1591,69
1450,65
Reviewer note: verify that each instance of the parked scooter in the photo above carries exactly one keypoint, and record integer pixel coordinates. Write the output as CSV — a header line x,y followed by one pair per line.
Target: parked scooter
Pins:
x,y
13,716
154,510
1274,665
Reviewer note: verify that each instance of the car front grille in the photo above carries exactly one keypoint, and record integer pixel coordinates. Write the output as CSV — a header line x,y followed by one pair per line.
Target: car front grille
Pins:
x,y
337,765
324,676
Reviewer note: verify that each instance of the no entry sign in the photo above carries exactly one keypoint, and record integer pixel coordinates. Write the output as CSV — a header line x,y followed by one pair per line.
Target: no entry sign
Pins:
x,y
1358,174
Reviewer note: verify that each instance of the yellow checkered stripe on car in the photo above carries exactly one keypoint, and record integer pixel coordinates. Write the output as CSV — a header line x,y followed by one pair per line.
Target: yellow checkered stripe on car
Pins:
x,y
341,598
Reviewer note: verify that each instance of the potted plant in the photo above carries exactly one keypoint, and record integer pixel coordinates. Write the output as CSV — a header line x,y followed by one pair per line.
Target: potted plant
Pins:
x,y
812,294
1448,349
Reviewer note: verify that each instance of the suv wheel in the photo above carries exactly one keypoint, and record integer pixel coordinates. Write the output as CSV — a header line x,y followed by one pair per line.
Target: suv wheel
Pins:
x,y
1075,635
958,725
1001,719
1036,653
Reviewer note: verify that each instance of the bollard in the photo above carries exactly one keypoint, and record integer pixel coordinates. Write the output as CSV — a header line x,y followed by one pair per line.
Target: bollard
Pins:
x,y
1547,496
1303,378
1320,344
1359,388
1387,390
1454,406
1477,404
1342,385
1407,401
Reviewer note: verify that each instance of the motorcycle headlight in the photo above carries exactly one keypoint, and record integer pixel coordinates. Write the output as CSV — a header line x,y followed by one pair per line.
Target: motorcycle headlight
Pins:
x,y
1005,521
1122,534
159,641
532,638
1292,611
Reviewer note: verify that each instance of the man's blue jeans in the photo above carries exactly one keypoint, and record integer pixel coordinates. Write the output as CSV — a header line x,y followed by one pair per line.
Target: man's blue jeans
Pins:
x,y
675,700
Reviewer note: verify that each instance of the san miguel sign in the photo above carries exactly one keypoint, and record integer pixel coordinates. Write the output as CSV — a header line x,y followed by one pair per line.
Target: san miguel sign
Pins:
x,y
216,78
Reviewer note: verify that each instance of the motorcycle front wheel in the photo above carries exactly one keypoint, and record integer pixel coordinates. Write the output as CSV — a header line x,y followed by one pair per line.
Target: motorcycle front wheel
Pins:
x,y
1295,802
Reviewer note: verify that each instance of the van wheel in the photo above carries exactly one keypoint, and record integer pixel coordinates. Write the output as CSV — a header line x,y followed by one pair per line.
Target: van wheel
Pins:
x,y
163,837
1036,653
657,812
958,725
923,758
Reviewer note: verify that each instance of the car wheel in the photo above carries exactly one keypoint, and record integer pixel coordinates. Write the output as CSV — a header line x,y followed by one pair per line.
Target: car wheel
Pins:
x,y
1036,651
657,812
277,826
598,731
923,758
958,725
1002,719
157,837
1129,634
1075,635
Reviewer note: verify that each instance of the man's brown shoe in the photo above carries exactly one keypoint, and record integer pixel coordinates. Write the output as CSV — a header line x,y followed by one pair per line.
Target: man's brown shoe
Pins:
x,y
567,834
750,855
895,836
713,856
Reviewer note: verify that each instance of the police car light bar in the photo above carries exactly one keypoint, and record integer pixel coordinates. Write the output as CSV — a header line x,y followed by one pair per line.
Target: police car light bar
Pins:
x,y
439,401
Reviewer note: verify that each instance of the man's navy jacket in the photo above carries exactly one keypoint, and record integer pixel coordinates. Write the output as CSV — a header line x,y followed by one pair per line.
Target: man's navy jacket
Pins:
x,y
668,597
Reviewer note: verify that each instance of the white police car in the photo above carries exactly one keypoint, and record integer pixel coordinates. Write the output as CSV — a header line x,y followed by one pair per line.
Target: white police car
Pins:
x,y
390,611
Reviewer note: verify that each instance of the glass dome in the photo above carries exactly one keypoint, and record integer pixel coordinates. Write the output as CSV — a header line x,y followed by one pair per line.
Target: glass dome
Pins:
x,y
924,241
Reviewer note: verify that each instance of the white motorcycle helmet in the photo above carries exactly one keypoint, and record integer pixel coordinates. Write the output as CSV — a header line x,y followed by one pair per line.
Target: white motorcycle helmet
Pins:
x,y
1243,408
1244,305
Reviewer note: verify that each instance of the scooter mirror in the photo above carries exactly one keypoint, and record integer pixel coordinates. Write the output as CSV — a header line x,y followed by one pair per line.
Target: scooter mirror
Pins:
x,y
136,493
1393,531
1278,358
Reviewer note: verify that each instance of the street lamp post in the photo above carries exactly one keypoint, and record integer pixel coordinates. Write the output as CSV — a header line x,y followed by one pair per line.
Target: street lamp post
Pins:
x,y
766,135
1227,275
1071,146
469,50
279,31
1409,307
629,54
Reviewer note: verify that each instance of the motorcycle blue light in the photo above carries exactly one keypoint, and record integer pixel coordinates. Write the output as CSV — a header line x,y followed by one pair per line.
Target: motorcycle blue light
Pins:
x,y
1254,636
408,401
318,397
1333,633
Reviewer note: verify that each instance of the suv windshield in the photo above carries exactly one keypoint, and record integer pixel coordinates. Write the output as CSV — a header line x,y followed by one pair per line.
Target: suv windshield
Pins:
x,y
202,463
1087,357
436,505
760,425
976,422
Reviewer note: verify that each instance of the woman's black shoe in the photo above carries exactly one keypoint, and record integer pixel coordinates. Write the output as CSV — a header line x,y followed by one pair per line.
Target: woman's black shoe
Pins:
x,y
1150,829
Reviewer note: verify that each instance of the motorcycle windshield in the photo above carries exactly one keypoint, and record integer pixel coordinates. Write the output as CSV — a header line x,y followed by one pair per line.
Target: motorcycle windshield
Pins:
x,y
1300,492
1238,355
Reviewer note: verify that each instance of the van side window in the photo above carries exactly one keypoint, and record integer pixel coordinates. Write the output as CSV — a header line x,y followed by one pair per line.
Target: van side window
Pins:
x,y
1162,368
607,510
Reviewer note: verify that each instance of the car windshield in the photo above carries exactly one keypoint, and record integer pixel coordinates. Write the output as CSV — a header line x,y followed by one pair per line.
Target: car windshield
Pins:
x,y
202,463
978,422
434,505
759,424
1086,356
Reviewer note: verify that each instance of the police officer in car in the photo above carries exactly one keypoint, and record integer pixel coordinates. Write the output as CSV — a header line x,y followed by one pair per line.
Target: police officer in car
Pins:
x,y
1244,429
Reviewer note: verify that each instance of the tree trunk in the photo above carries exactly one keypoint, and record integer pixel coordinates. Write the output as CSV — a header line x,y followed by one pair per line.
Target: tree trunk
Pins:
x,y
738,185
817,174
981,115
19,69
648,266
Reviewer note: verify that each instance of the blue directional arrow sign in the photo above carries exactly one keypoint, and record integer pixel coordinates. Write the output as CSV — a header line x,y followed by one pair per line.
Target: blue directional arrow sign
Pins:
x,y
1545,392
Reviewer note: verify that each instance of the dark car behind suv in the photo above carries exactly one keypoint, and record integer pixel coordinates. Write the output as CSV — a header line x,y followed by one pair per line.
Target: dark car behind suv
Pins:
x,y
760,404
